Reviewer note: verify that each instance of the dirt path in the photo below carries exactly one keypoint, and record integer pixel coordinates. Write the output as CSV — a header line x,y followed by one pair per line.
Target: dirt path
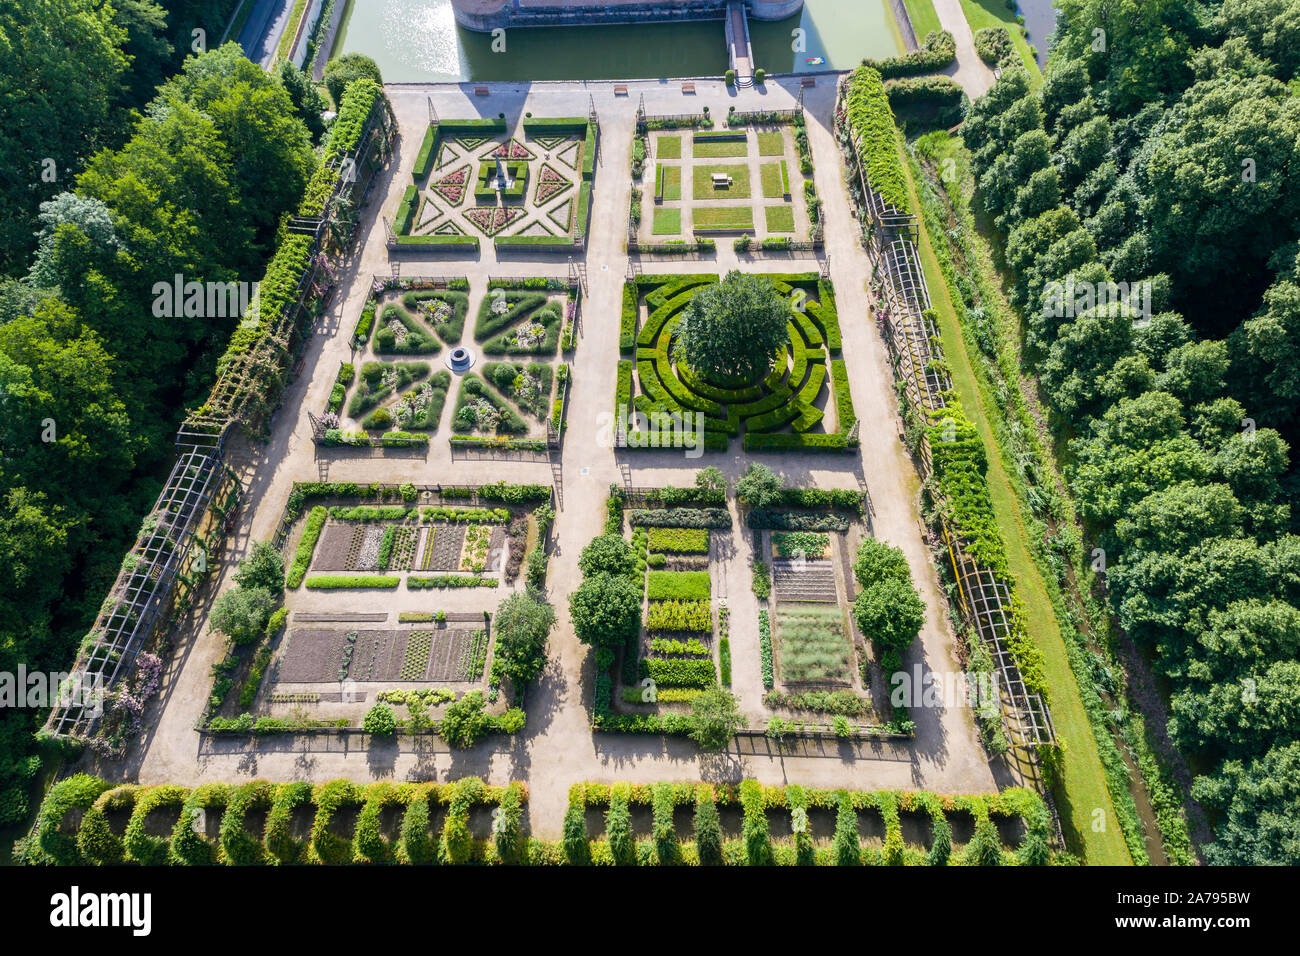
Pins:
x,y
557,747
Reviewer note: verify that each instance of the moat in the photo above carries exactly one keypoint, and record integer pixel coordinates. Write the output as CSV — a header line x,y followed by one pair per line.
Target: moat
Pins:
x,y
419,41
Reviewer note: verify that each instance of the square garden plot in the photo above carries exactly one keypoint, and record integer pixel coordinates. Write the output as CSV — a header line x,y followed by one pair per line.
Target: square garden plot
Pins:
x,y
517,390
455,200
424,655
803,404
700,182
395,391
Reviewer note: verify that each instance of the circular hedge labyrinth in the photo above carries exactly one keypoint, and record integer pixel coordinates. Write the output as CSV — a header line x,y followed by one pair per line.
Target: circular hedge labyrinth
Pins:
x,y
789,408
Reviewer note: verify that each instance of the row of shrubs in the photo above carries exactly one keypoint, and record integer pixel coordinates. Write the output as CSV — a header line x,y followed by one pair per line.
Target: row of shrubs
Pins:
x,y
620,846
93,841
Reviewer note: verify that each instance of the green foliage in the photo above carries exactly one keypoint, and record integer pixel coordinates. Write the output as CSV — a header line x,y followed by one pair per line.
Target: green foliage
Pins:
x,y
380,721
734,327
416,843
343,71
873,130
847,849
679,586
606,610
759,486
607,554
708,828
466,721
715,717
522,624
262,567
242,613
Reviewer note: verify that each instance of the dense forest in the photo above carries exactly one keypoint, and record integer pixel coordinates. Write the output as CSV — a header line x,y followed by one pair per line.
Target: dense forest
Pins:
x,y
1162,151
131,158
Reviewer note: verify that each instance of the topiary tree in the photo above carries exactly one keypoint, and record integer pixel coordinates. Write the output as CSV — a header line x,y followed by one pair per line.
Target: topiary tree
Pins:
x,y
417,842
711,478
759,486
890,612
708,829
606,610
667,848
507,828
262,567
985,847
715,717
380,721
878,561
575,834
523,624
733,328
846,846
618,826
341,71
465,721
941,844
607,554
241,613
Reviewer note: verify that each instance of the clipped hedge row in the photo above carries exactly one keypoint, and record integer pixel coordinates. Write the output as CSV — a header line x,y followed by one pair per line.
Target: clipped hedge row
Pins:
x,y
620,845
306,546
92,841
712,518
337,582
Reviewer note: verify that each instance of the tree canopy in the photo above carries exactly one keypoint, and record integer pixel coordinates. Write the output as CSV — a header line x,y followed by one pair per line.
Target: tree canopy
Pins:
x,y
734,328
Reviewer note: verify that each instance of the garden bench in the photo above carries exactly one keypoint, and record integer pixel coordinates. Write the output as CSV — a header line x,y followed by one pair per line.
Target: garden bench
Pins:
x,y
721,180
620,89
688,87
481,91
808,81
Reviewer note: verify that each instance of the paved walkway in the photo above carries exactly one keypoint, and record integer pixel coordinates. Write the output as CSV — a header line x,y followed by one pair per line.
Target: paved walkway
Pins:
x,y
557,748
974,75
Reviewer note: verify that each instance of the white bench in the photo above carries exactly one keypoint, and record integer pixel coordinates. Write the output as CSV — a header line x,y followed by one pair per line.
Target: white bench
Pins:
x,y
721,180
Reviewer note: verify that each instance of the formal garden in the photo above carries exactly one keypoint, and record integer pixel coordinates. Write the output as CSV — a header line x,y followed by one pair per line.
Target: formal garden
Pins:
x,y
750,181
86,820
757,356
418,349
384,609
523,186
830,636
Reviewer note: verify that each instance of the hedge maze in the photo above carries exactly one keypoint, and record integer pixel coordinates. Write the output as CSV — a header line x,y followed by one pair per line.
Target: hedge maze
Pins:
x,y
803,404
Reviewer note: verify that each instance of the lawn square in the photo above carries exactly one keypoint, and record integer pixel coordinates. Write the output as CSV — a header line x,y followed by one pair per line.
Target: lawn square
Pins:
x,y
672,183
706,149
668,147
770,174
771,144
723,217
667,222
780,218
702,185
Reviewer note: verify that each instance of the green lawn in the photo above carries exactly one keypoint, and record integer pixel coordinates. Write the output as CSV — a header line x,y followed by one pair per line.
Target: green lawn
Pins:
x,y
723,217
923,17
672,183
780,218
1084,778
667,222
771,144
994,13
668,147
702,182
770,173
727,149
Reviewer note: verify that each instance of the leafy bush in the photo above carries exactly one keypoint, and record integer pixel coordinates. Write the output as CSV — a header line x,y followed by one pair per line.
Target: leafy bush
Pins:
x,y
380,721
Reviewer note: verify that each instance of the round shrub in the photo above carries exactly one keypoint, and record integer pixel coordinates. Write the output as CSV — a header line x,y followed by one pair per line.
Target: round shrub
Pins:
x,y
380,721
